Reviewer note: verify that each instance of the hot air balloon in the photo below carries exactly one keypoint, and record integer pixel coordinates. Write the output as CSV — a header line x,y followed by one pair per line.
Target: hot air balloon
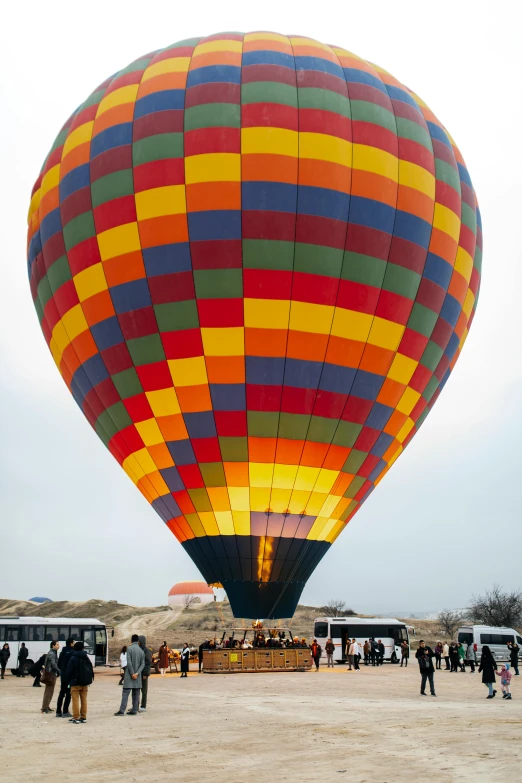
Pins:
x,y
255,260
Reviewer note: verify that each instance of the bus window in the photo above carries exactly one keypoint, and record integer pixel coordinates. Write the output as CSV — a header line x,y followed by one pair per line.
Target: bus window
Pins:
x,y
63,633
466,637
36,633
11,634
75,633
398,634
88,640
519,640
321,630
51,633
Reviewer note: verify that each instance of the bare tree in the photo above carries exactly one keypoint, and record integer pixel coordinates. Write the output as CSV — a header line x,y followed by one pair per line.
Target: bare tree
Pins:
x,y
497,608
190,600
449,621
336,608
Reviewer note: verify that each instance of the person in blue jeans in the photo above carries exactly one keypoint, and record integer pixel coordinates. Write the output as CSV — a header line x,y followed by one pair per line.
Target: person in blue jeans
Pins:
x,y
425,656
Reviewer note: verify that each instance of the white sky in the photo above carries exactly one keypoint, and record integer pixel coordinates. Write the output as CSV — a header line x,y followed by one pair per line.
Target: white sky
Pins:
x,y
447,520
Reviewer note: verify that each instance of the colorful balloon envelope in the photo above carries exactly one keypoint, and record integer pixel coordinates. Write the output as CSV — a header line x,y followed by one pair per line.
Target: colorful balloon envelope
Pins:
x,y
255,260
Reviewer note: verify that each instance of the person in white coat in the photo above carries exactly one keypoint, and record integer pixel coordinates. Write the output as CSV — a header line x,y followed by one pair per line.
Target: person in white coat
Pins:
x,y
354,654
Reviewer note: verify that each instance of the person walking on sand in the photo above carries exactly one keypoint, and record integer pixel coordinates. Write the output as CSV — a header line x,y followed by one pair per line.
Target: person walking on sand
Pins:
x,y
64,697
132,680
164,660
405,653
123,663
329,649
445,655
79,676
185,658
505,680
488,667
316,651
51,672
23,654
425,657
145,673
5,654
471,656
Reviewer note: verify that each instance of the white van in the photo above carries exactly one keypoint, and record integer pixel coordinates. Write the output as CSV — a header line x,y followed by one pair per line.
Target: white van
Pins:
x,y
495,638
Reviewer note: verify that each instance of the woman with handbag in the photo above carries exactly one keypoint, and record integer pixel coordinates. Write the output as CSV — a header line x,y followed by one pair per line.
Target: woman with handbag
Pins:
x,y
50,673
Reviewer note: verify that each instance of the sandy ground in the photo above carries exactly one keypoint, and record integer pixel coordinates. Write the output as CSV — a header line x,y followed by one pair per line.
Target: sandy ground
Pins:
x,y
371,726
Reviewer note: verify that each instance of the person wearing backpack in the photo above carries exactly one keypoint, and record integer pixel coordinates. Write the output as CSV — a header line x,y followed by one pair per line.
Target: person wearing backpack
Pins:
x,y
80,675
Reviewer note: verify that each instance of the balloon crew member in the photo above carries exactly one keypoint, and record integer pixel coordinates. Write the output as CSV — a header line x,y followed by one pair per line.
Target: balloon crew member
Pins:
x,y
316,651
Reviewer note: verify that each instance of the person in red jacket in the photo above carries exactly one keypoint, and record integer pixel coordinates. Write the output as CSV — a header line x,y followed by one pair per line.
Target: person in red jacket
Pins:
x,y
316,651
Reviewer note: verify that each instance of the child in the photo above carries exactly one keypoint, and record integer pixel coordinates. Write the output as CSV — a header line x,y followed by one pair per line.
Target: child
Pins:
x,y
505,679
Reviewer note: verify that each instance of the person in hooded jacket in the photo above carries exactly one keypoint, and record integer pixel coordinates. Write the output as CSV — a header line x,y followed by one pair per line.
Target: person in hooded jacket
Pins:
x,y
145,673
80,675
64,697
5,654
132,681
488,667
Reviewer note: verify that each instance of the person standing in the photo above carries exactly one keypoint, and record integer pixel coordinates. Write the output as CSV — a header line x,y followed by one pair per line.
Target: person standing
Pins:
x,y
505,680
462,656
488,667
454,657
438,654
471,656
23,653
425,657
349,654
164,660
329,649
367,649
123,663
145,673
445,655
79,676
514,650
373,651
64,697
405,653
354,651
5,654
132,680
202,647
185,658
51,672
316,651
381,649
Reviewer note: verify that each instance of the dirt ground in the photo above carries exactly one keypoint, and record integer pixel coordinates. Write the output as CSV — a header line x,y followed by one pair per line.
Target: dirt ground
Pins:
x,y
368,726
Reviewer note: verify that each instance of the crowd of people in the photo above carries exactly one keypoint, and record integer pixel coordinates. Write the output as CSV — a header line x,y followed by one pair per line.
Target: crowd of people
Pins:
x,y
457,657
73,667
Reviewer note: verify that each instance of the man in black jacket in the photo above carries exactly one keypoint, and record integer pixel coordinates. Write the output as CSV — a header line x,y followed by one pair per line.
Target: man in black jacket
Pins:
x,y
381,650
145,673
425,657
64,697
80,675
23,652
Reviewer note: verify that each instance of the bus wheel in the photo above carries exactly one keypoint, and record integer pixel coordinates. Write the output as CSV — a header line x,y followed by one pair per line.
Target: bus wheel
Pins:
x,y
394,658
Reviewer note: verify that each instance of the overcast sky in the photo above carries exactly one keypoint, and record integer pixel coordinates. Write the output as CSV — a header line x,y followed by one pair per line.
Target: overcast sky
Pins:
x,y
447,520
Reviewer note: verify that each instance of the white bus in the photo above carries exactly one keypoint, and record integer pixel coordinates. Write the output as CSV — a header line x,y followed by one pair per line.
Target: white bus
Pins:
x,y
495,638
391,632
38,632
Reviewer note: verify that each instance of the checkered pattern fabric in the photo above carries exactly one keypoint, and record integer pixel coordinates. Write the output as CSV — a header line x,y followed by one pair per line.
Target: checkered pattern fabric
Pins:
x,y
255,260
